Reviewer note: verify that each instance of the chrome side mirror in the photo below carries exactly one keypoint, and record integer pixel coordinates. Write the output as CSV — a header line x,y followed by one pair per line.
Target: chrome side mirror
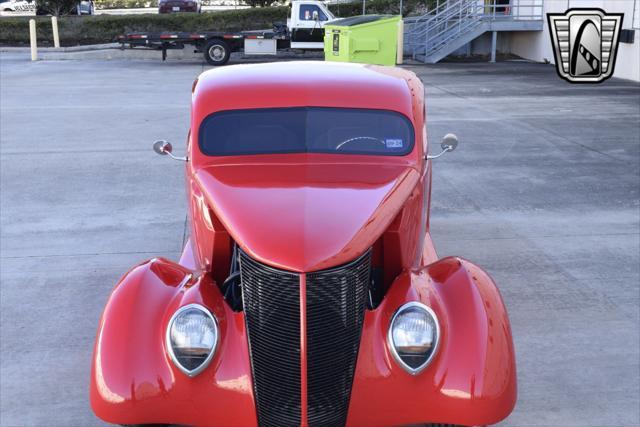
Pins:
x,y
449,143
164,148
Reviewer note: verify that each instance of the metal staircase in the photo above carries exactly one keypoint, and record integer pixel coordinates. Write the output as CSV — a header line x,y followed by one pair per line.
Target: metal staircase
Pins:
x,y
454,23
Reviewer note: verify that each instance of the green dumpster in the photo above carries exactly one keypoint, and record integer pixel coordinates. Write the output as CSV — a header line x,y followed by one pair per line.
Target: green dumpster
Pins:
x,y
368,39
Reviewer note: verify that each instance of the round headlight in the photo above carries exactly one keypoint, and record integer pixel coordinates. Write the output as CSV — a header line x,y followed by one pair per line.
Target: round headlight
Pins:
x,y
192,336
413,336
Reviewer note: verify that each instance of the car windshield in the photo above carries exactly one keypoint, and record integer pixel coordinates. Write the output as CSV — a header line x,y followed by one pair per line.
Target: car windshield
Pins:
x,y
306,130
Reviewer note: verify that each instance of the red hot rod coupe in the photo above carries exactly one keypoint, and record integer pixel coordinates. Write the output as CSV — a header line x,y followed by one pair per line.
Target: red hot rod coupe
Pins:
x,y
309,292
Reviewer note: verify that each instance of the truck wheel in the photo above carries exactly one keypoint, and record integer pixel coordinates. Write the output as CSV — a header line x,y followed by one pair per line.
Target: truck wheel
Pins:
x,y
217,52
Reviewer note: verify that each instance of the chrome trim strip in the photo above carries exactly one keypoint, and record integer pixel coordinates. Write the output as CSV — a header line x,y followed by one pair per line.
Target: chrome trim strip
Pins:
x,y
172,356
394,353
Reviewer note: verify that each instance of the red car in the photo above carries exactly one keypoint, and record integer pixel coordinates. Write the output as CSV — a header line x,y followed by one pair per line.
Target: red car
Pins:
x,y
309,292
173,6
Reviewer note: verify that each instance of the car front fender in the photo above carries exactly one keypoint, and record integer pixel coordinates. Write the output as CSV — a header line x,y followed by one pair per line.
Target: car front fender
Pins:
x,y
133,380
472,378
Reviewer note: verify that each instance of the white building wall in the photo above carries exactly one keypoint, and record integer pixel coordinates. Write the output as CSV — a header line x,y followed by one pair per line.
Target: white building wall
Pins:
x,y
536,45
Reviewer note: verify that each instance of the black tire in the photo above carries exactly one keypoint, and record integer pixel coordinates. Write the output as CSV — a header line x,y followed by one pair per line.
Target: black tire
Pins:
x,y
217,52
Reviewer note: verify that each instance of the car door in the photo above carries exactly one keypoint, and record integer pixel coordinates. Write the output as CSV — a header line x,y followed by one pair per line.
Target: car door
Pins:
x,y
308,31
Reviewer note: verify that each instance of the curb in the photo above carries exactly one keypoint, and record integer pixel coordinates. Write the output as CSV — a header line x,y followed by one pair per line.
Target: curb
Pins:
x,y
85,48
113,51
116,53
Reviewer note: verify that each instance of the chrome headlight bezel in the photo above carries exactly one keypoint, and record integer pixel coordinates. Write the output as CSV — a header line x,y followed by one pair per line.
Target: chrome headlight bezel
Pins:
x,y
391,345
169,346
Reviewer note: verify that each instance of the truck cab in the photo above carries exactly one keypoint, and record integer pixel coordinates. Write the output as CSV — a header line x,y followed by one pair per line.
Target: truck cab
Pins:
x,y
306,24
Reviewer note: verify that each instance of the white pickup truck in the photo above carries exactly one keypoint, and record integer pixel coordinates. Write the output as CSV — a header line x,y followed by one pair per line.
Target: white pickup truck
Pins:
x,y
304,30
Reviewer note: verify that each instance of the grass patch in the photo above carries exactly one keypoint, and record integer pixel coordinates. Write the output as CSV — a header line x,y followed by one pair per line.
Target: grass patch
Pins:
x,y
124,4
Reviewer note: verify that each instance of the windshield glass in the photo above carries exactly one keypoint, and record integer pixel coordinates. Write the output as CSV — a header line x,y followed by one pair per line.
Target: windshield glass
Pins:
x,y
306,130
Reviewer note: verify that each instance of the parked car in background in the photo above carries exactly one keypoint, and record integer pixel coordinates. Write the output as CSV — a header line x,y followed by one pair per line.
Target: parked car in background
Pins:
x,y
18,6
84,7
171,6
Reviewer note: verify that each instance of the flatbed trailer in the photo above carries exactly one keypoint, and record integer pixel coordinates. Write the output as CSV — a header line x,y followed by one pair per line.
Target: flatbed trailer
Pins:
x,y
216,46
303,30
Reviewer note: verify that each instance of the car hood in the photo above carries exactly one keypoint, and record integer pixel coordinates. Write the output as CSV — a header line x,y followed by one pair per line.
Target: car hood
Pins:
x,y
306,217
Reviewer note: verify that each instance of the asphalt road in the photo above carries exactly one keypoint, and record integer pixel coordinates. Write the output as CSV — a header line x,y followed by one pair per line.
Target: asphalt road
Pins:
x,y
543,192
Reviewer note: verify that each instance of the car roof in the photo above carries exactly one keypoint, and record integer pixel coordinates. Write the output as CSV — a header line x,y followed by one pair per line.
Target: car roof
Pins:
x,y
302,83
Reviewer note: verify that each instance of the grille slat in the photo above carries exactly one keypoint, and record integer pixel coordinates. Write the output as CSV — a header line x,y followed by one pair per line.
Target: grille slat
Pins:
x,y
336,301
271,301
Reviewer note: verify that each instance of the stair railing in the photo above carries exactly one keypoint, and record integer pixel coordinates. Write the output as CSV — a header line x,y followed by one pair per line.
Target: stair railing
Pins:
x,y
451,19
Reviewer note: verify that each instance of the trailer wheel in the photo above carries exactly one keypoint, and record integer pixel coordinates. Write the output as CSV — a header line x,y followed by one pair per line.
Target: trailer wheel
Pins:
x,y
217,52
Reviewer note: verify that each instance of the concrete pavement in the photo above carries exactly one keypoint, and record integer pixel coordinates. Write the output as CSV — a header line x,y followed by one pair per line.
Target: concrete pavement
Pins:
x,y
114,51
543,192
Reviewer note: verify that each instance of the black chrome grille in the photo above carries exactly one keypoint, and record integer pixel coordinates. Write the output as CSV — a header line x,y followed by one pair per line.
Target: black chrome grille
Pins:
x,y
335,304
271,300
336,301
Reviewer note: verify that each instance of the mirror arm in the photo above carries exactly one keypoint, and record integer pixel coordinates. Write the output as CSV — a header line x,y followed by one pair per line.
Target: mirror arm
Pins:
x,y
182,159
446,150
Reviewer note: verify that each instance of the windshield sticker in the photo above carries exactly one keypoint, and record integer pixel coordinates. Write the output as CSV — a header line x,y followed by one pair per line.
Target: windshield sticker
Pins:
x,y
393,143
